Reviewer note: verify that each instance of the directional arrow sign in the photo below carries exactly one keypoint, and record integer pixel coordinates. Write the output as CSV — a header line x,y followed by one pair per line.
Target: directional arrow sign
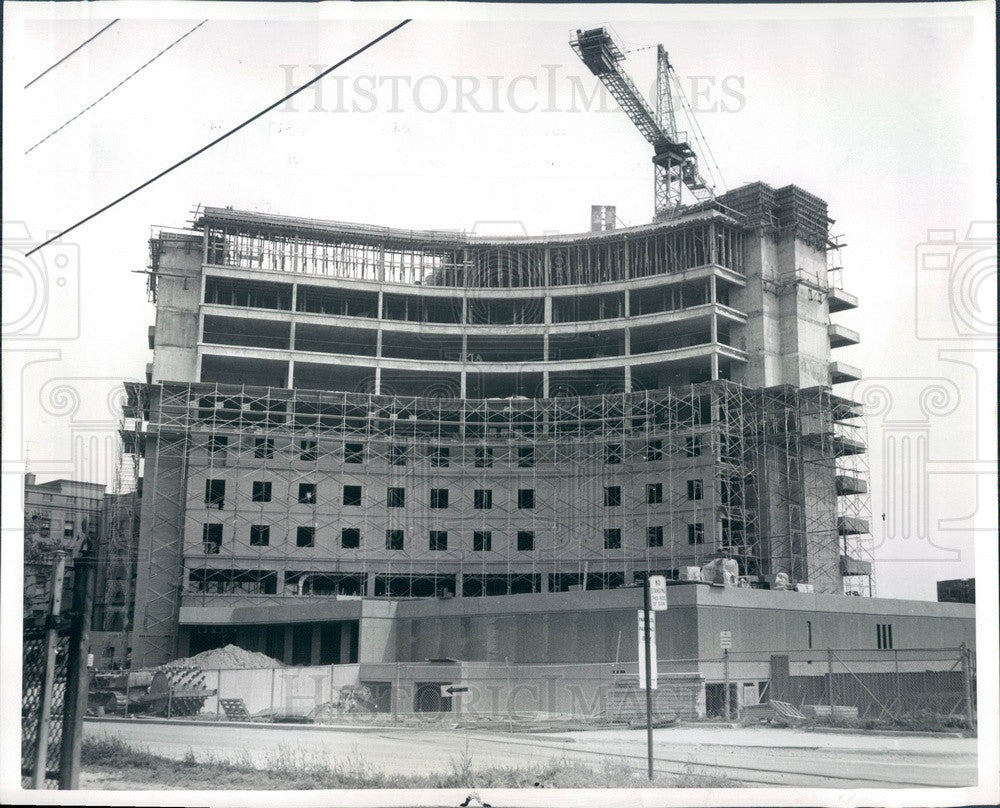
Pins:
x,y
448,690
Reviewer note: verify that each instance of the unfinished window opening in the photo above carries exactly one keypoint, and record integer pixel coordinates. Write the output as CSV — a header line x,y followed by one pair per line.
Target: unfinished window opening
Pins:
x,y
612,496
263,448
352,495
395,497
261,491
654,536
211,538
482,541
307,493
438,540
482,499
612,538
525,540
394,540
215,493
305,536
696,533
484,457
654,493
439,497
694,489
260,535
308,450
350,538
354,453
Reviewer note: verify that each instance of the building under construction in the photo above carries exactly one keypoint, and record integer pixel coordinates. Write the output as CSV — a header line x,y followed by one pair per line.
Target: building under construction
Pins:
x,y
339,410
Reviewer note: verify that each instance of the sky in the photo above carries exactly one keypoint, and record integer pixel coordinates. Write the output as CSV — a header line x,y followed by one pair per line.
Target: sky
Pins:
x,y
484,120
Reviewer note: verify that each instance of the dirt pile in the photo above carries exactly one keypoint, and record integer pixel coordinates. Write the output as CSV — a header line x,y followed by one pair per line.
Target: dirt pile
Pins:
x,y
227,658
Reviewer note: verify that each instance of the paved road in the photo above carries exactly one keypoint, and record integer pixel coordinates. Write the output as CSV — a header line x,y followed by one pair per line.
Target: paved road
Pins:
x,y
754,756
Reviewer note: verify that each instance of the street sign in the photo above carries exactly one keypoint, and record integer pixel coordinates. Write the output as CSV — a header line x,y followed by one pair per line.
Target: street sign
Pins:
x,y
642,650
725,640
448,690
658,593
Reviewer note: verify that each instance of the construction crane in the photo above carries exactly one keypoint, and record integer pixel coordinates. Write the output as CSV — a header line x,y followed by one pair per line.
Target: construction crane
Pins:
x,y
675,162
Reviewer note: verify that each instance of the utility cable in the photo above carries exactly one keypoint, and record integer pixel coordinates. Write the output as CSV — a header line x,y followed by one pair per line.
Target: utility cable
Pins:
x,y
119,84
222,137
36,78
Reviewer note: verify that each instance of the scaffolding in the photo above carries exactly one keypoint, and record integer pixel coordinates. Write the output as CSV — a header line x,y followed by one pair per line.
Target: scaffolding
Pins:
x,y
265,494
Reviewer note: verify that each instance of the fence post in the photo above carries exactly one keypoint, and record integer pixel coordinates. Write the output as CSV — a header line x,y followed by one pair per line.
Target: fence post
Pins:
x,y
970,711
271,708
829,680
725,678
77,673
45,697
395,701
899,689
218,694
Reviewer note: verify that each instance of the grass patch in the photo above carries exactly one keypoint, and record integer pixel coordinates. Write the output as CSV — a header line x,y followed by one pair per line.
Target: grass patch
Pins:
x,y
294,769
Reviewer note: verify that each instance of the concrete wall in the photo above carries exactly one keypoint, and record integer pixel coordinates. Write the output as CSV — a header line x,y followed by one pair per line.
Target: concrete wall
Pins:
x,y
178,295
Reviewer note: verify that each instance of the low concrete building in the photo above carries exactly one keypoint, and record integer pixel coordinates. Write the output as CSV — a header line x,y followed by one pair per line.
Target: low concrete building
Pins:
x,y
574,653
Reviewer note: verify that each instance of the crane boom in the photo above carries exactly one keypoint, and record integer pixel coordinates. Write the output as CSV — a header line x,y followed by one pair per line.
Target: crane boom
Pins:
x,y
676,163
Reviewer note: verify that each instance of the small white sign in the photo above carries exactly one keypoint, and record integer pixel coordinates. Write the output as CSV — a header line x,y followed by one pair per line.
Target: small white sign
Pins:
x,y
642,649
725,639
658,593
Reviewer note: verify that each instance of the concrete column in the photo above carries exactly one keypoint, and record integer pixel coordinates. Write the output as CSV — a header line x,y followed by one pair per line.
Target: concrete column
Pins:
x,y
712,289
345,643
369,584
715,366
378,380
290,381
314,650
545,384
459,577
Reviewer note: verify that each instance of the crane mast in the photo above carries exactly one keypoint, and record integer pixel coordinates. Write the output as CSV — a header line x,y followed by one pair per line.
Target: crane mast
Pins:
x,y
675,164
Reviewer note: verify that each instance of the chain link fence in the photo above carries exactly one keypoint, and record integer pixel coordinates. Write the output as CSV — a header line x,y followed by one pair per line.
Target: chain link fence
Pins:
x,y
932,686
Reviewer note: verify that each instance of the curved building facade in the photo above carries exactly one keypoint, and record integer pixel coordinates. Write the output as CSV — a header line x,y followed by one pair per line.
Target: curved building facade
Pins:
x,y
340,410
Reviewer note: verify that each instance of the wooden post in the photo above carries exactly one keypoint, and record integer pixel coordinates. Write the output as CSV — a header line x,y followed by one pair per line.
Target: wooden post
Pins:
x,y
45,697
77,673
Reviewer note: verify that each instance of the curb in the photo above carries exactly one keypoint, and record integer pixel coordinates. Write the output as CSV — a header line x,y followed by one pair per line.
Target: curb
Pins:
x,y
905,733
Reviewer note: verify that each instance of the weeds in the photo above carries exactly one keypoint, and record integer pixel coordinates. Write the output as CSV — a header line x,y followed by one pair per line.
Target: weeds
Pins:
x,y
290,768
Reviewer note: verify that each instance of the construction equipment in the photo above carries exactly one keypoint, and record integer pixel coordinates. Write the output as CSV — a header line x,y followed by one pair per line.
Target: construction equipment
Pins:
x,y
165,691
675,162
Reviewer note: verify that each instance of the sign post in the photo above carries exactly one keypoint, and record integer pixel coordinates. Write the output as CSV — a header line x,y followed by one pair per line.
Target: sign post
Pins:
x,y
654,599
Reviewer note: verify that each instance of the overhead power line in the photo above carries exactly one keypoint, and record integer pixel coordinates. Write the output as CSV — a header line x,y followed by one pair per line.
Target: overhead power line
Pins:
x,y
222,137
119,84
36,78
